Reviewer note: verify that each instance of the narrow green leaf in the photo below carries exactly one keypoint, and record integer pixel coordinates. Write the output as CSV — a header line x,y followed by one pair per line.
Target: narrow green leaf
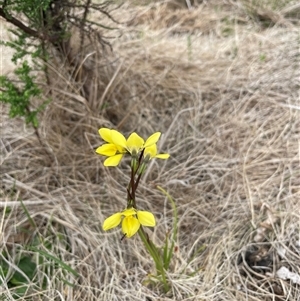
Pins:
x,y
31,221
58,261
175,226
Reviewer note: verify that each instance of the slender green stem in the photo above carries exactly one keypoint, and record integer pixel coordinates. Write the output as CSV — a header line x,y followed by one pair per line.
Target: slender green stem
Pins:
x,y
132,186
151,248
137,182
149,245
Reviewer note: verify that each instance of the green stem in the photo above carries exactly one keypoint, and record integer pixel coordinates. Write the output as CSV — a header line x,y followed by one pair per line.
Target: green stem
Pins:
x,y
152,249
132,184
149,245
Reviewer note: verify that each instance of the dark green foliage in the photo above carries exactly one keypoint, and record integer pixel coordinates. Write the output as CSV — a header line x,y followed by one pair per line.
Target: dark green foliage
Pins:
x,y
15,278
41,28
19,94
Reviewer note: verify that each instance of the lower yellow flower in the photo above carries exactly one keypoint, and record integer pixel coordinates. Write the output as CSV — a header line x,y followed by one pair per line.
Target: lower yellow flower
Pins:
x,y
132,219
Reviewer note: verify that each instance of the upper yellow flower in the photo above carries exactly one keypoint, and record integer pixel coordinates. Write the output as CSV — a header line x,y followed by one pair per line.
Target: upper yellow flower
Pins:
x,y
151,152
132,219
134,144
117,145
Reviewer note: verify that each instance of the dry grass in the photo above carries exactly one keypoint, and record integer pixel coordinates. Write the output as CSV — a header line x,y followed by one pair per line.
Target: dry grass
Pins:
x,y
224,90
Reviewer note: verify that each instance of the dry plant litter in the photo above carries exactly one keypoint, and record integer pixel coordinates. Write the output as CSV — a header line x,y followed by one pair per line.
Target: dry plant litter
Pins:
x,y
224,91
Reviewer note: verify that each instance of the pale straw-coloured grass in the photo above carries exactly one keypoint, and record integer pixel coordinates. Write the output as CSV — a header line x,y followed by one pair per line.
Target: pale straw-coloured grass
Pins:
x,y
224,91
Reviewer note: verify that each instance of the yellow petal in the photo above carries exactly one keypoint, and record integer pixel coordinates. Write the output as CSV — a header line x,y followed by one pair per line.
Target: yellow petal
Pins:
x,y
130,225
113,161
151,151
112,221
134,142
105,134
152,139
146,218
118,138
120,149
107,150
162,156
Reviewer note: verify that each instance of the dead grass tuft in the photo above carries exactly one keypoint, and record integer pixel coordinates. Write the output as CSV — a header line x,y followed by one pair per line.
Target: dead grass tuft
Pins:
x,y
225,94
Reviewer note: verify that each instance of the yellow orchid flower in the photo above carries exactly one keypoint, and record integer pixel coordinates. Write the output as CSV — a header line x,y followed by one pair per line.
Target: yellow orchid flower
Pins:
x,y
150,152
132,219
117,145
134,144
113,151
